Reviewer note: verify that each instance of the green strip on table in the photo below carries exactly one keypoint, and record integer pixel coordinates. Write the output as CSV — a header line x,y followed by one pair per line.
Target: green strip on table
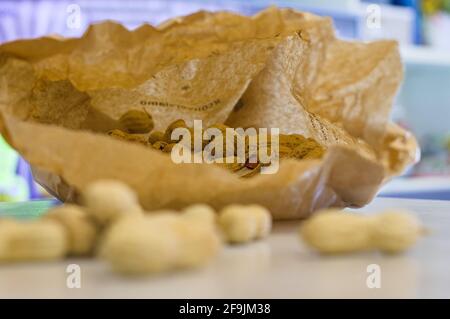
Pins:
x,y
26,210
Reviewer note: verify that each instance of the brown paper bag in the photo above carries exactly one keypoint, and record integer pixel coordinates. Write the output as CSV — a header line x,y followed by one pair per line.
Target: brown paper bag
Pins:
x,y
279,68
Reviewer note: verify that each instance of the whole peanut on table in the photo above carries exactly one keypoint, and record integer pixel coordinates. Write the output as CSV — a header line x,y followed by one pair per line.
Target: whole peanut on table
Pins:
x,y
31,240
333,231
243,223
159,242
106,200
80,228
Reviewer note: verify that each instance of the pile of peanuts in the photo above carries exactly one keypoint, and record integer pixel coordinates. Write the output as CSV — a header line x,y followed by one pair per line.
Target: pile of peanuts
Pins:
x,y
111,224
137,125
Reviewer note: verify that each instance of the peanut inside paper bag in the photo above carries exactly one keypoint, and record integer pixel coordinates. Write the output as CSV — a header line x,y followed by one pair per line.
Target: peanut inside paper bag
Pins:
x,y
278,69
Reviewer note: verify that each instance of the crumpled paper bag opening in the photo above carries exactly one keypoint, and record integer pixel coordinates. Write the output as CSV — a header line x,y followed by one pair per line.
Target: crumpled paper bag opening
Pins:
x,y
278,69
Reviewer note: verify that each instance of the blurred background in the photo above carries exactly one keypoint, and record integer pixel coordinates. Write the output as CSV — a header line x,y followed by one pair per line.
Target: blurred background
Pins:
x,y
421,27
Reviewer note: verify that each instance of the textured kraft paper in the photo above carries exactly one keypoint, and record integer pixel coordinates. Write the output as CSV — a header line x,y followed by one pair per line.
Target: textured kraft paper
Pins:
x,y
280,68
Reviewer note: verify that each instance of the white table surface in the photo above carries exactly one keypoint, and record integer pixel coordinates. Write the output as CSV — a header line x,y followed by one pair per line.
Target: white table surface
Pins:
x,y
404,185
278,267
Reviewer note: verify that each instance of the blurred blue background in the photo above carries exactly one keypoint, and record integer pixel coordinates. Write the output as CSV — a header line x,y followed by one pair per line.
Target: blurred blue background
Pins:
x,y
421,27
